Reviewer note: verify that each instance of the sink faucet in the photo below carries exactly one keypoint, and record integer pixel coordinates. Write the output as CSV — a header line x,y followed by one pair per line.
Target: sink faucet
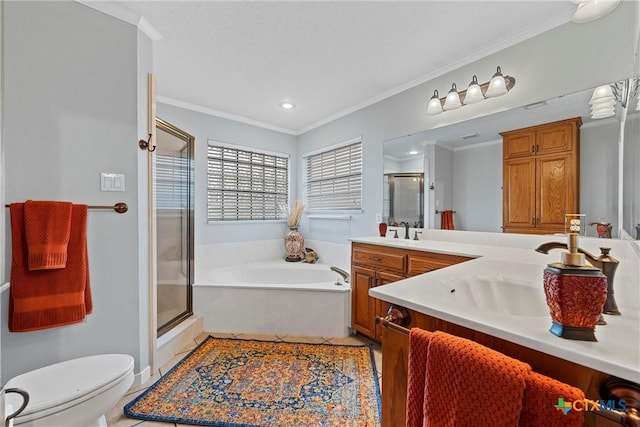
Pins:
x,y
604,262
345,276
406,229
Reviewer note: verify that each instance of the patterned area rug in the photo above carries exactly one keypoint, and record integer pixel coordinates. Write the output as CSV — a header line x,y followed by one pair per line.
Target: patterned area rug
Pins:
x,y
247,383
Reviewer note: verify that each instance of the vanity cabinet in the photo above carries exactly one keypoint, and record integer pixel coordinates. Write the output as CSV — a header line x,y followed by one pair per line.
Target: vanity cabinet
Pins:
x,y
373,265
395,359
540,177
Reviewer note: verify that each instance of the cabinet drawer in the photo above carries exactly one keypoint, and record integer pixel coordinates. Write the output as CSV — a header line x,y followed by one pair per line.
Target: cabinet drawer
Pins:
x,y
380,259
419,264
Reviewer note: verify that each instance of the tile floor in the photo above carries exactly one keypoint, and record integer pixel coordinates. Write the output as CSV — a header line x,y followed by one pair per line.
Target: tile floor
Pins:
x,y
115,417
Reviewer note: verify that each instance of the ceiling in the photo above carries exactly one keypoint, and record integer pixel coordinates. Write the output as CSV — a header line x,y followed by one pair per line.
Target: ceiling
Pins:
x,y
240,59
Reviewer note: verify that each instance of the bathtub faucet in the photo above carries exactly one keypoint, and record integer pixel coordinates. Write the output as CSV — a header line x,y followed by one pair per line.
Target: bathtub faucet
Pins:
x,y
345,276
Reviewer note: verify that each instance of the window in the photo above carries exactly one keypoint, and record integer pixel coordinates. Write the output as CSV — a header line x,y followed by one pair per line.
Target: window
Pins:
x,y
172,180
334,177
245,185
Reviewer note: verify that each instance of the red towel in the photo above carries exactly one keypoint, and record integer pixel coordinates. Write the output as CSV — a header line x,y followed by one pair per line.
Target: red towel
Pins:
x,y
43,299
468,384
542,399
446,220
47,228
418,343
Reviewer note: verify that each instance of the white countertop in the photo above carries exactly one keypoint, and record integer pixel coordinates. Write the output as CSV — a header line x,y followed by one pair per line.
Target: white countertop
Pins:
x,y
501,294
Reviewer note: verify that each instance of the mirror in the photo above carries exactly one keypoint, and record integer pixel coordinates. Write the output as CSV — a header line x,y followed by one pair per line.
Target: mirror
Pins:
x,y
462,164
403,199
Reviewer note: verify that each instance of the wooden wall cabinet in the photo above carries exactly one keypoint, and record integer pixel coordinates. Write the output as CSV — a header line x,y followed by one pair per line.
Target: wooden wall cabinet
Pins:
x,y
374,265
541,177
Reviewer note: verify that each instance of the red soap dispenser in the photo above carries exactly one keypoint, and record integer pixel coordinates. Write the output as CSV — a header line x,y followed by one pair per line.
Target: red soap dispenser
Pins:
x,y
575,294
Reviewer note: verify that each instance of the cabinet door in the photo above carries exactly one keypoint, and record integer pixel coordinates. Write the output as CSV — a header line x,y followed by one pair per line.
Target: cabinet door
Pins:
x,y
382,307
362,305
556,190
555,138
519,193
518,144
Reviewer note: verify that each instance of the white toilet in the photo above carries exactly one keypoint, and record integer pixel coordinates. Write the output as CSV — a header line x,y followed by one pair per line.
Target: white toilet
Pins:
x,y
77,392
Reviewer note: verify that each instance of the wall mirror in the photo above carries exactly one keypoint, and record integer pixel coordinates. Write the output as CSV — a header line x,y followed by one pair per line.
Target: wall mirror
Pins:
x,y
462,164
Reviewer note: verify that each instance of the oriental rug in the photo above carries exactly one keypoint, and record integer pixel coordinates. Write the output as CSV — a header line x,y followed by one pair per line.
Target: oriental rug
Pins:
x,y
248,383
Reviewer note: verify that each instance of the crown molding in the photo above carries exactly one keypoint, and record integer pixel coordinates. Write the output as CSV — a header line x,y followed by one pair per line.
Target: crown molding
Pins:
x,y
221,114
117,11
479,54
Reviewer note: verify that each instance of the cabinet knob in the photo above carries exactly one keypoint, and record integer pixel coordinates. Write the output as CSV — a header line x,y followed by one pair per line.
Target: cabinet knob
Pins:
x,y
374,258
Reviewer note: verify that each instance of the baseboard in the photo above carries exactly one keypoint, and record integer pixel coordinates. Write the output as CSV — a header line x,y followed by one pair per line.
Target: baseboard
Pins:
x,y
142,377
178,338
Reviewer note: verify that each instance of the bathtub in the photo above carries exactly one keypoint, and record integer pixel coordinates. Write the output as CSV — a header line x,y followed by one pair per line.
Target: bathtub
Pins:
x,y
274,297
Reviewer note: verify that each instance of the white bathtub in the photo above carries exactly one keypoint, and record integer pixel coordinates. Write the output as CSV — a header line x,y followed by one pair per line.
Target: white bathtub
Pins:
x,y
274,297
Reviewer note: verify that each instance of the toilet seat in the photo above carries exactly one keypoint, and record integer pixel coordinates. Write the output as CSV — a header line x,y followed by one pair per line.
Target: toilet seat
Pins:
x,y
57,387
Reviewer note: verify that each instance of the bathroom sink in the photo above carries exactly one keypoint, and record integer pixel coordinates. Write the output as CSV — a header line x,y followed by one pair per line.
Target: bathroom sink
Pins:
x,y
496,294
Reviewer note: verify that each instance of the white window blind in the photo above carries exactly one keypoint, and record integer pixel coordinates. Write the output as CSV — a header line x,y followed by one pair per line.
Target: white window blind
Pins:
x,y
334,178
172,180
245,185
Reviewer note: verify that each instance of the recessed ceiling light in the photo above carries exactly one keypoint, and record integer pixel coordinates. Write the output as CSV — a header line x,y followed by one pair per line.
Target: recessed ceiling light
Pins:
x,y
412,152
286,105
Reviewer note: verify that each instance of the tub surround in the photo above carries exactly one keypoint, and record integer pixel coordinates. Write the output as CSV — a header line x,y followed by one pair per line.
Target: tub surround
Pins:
x,y
509,303
275,297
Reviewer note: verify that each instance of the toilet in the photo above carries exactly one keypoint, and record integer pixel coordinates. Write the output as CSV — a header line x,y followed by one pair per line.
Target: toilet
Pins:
x,y
76,392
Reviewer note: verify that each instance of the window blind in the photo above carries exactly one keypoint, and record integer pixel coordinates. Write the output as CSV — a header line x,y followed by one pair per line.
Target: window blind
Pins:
x,y
245,185
334,178
172,181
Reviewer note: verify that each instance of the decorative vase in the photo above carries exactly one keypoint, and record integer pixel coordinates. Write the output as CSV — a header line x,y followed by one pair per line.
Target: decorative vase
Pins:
x,y
382,228
294,244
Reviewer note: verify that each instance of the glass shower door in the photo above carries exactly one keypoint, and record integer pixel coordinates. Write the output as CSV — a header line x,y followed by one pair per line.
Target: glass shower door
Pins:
x,y
173,187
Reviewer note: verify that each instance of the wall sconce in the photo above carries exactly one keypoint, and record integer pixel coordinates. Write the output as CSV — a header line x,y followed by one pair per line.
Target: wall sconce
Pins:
x,y
497,86
605,98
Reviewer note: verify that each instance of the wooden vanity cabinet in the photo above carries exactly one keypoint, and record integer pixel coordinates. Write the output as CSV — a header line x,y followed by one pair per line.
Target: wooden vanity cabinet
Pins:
x,y
540,177
395,358
374,265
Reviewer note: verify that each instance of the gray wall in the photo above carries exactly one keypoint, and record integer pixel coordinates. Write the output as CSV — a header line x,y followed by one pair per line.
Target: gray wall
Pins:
x,y
557,62
477,183
205,127
71,105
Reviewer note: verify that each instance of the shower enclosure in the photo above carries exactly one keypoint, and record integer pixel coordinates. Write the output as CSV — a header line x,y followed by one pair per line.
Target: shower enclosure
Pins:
x,y
173,191
403,199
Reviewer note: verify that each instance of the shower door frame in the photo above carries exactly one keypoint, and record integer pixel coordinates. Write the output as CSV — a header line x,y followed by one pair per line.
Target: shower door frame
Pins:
x,y
190,143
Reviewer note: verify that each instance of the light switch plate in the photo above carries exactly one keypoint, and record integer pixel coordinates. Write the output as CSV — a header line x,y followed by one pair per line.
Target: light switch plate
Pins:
x,y
111,181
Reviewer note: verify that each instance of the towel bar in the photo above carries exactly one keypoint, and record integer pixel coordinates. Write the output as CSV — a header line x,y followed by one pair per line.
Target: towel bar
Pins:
x,y
439,212
611,389
120,207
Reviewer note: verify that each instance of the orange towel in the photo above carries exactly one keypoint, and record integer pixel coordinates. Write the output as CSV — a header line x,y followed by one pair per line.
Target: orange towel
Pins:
x,y
47,227
47,298
418,343
541,399
446,220
468,384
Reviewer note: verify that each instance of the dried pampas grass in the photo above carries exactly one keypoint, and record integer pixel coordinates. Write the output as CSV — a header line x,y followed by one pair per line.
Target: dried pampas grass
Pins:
x,y
294,213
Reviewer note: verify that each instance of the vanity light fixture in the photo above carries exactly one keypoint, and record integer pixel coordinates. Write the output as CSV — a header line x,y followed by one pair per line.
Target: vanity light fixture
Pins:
x,y
605,98
474,92
434,106
497,86
452,101
590,10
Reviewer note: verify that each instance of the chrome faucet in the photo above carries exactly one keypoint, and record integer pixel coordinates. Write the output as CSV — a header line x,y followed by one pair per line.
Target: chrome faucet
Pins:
x,y
345,276
604,262
406,229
